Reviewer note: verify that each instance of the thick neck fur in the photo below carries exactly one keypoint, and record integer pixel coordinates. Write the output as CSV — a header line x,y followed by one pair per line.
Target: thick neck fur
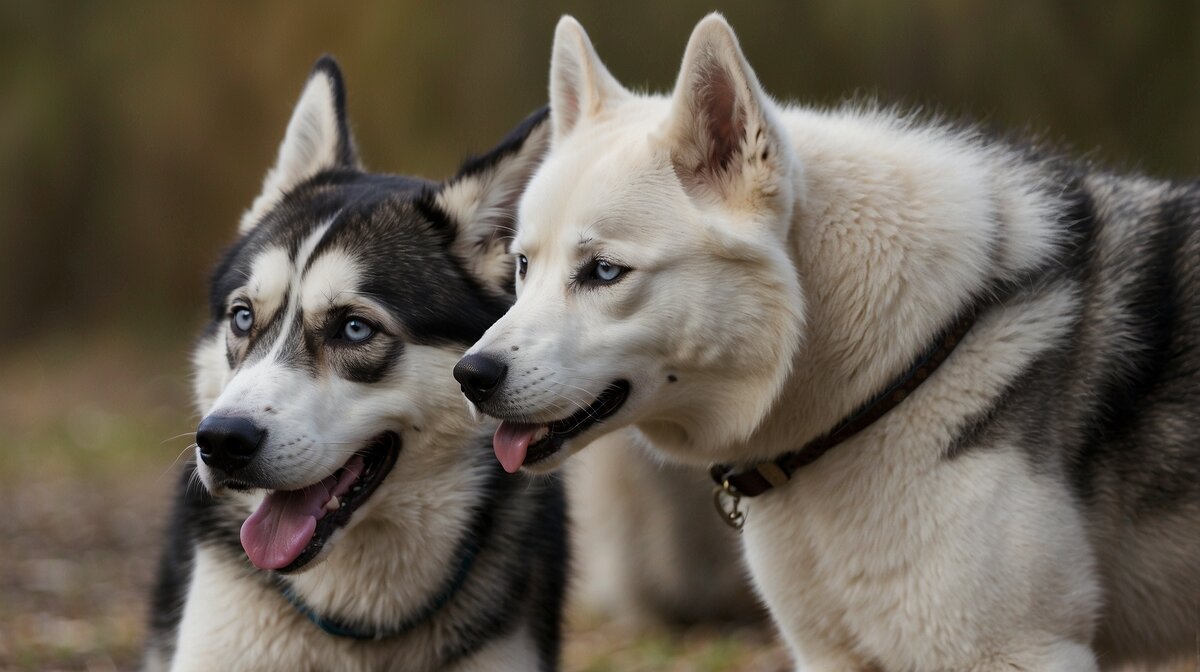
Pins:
x,y
922,246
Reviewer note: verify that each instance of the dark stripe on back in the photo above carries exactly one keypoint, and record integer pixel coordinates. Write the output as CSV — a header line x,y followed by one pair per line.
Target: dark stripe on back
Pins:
x,y
1079,222
1150,299
1153,302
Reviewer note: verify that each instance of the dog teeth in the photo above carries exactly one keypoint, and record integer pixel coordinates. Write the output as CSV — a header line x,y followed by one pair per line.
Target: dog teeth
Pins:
x,y
540,434
333,504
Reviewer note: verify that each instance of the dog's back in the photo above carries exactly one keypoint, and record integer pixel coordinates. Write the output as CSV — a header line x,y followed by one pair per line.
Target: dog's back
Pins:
x,y
1115,411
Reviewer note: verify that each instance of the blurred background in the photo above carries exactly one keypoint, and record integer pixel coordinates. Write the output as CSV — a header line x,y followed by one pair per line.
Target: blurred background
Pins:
x,y
132,135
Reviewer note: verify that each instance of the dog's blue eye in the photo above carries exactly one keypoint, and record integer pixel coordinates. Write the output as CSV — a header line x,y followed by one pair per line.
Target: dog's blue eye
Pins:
x,y
356,330
605,272
522,265
241,319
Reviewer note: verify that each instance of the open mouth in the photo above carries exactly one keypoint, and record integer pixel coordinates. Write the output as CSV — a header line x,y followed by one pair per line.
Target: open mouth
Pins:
x,y
291,527
519,443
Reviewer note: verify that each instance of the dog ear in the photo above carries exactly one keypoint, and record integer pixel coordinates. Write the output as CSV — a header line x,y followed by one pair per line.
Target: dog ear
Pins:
x,y
720,135
317,138
481,201
580,85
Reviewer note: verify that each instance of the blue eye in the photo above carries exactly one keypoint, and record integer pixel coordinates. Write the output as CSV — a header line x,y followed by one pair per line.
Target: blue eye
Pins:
x,y
356,330
606,272
601,272
241,319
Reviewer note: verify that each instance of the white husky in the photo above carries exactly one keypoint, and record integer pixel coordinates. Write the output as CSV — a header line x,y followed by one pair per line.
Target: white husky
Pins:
x,y
737,278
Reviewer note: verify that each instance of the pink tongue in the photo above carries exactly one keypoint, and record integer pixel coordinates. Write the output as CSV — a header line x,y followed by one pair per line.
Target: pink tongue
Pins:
x,y
284,523
511,442
276,534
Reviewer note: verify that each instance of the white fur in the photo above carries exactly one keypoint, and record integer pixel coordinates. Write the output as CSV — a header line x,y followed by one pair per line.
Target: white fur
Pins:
x,y
309,145
786,264
331,281
646,549
269,277
580,85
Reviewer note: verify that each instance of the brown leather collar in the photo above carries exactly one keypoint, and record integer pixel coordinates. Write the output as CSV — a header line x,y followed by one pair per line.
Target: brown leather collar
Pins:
x,y
733,484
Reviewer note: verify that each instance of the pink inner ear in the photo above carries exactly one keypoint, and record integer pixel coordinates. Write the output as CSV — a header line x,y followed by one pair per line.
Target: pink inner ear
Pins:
x,y
724,122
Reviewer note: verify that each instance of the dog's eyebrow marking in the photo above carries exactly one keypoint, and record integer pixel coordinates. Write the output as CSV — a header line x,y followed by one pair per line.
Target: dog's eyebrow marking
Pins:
x,y
268,279
303,253
585,242
327,279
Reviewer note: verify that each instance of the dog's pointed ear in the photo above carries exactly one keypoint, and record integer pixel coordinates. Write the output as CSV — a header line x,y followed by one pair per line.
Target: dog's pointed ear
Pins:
x,y
719,128
580,85
317,138
480,202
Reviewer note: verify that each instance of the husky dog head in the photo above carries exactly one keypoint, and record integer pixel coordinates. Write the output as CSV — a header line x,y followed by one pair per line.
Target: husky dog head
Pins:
x,y
336,317
652,281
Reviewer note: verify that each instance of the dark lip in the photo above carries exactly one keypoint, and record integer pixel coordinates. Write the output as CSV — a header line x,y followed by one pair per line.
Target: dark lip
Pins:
x,y
608,402
378,457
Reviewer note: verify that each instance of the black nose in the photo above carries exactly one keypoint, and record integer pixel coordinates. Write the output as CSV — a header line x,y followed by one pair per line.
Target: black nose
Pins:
x,y
228,443
479,376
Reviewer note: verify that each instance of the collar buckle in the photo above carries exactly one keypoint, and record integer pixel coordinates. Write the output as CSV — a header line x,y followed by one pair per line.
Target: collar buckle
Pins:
x,y
726,499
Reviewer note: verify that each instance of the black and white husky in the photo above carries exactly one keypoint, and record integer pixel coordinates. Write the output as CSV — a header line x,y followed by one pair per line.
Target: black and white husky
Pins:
x,y
955,387
351,515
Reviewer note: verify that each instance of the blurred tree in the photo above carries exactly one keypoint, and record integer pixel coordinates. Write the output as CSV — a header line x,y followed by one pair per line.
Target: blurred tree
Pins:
x,y
133,133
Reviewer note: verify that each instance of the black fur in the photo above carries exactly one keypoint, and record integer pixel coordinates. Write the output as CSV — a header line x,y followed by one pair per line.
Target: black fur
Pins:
x,y
174,568
511,144
346,152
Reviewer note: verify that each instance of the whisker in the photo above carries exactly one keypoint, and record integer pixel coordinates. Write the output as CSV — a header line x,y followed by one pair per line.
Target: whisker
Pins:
x,y
177,436
175,461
